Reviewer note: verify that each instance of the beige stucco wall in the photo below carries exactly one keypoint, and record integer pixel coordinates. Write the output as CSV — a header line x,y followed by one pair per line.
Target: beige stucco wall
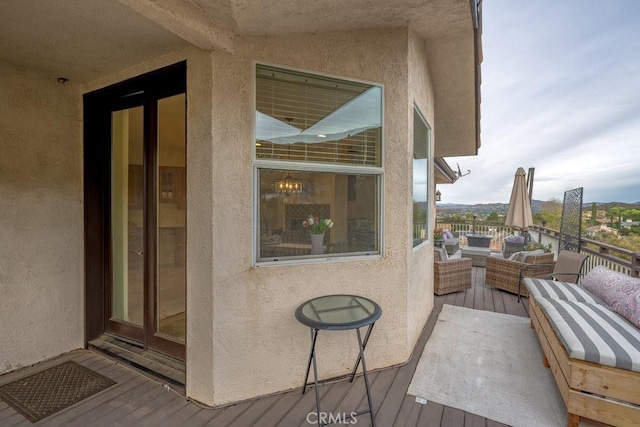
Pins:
x,y
242,337
258,345
420,280
41,234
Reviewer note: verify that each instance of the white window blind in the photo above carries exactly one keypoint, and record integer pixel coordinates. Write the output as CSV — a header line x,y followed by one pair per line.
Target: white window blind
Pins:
x,y
307,118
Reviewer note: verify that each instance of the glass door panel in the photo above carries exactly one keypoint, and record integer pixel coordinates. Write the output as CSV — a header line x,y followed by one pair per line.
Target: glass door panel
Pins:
x,y
127,214
170,309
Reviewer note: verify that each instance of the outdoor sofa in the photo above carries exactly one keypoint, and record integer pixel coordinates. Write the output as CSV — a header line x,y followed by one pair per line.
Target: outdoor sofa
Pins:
x,y
590,336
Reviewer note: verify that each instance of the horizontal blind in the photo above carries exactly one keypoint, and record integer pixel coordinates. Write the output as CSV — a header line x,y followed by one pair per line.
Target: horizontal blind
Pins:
x,y
306,118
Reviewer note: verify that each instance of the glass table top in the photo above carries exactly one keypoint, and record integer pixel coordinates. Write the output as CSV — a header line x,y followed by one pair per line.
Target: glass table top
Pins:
x,y
338,312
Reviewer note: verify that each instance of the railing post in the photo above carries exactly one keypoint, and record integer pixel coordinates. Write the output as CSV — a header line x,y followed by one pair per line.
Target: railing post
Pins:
x,y
635,264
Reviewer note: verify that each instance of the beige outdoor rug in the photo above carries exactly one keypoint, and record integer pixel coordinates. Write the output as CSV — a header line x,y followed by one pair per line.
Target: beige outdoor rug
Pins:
x,y
488,364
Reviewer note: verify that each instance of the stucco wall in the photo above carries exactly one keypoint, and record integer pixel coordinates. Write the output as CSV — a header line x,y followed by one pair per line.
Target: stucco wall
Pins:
x,y
258,345
41,234
420,280
242,337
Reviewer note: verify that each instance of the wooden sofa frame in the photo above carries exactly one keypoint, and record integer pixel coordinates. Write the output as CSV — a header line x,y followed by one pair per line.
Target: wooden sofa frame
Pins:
x,y
589,390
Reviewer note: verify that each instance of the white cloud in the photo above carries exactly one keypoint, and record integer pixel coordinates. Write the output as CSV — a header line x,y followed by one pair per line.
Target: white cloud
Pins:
x,y
561,93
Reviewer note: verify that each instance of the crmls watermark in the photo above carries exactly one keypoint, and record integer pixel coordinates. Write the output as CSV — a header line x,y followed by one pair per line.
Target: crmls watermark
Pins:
x,y
328,418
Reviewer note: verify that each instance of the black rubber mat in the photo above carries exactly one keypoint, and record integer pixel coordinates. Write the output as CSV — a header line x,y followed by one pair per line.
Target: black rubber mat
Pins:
x,y
44,393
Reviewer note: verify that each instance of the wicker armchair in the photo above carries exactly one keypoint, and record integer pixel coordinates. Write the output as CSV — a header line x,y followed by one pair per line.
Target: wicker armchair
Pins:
x,y
507,274
450,275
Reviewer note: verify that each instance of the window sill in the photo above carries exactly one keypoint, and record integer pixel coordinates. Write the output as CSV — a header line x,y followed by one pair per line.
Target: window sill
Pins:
x,y
317,260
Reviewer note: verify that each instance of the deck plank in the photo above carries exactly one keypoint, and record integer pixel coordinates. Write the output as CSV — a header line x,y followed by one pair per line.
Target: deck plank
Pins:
x,y
273,416
431,414
183,416
498,303
101,407
452,417
409,412
204,417
252,414
161,413
119,409
473,420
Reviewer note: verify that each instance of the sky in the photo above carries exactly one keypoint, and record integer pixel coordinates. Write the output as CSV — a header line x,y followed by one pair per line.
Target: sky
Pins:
x,y
561,94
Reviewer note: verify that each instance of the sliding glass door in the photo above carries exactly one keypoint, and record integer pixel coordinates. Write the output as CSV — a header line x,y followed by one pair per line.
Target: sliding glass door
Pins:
x,y
144,212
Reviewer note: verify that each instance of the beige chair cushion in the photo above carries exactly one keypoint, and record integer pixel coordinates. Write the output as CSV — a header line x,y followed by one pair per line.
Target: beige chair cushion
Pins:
x,y
522,256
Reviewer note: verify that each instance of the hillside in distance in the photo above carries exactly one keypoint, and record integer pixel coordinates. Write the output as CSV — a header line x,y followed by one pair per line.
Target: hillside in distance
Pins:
x,y
483,209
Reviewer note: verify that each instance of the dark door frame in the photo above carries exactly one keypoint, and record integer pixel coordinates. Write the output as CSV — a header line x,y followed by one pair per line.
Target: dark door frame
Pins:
x,y
97,106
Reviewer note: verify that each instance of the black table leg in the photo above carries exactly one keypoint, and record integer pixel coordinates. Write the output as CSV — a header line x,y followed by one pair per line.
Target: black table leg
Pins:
x,y
363,345
366,377
312,359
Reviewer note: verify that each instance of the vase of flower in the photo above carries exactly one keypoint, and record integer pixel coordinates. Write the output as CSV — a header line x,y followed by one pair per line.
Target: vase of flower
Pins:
x,y
317,228
317,244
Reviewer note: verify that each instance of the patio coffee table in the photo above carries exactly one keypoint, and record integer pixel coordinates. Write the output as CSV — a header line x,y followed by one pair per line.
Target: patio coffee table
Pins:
x,y
339,313
478,255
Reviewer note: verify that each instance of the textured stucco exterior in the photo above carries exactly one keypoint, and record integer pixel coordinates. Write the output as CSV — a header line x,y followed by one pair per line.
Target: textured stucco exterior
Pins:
x,y
420,280
41,238
257,341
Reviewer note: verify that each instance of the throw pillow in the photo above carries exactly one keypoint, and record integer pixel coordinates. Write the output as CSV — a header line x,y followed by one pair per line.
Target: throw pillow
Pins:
x,y
446,234
514,239
514,256
619,291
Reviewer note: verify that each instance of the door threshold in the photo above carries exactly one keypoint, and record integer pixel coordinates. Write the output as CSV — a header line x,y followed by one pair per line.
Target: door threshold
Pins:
x,y
166,368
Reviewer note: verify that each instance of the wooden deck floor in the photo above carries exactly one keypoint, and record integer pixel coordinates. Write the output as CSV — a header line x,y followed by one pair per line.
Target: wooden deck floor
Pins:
x,y
139,400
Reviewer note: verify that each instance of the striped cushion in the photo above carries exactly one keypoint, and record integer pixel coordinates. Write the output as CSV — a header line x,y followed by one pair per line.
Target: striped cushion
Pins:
x,y
541,288
594,333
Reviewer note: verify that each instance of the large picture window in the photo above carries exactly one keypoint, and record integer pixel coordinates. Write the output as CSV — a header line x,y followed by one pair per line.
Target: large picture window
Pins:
x,y
318,145
421,142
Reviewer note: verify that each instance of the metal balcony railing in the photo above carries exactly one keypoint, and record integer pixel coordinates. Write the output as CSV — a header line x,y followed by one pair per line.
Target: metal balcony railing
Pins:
x,y
612,257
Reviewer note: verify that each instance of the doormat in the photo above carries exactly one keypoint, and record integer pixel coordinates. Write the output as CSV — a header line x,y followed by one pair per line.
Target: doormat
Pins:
x,y
44,393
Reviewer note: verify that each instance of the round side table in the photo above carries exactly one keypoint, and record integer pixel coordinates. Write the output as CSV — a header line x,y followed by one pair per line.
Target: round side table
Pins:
x,y
339,313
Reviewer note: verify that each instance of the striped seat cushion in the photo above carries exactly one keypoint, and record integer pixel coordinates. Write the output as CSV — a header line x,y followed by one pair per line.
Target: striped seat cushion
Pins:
x,y
542,288
594,333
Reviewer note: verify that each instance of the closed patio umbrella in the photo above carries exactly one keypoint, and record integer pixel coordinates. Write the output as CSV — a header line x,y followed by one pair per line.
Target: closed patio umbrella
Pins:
x,y
519,213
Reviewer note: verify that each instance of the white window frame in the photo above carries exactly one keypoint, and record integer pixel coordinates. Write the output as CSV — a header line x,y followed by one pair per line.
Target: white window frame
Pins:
x,y
261,164
428,227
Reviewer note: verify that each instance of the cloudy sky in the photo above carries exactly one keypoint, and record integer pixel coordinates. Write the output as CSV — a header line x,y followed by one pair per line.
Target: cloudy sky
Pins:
x,y
560,93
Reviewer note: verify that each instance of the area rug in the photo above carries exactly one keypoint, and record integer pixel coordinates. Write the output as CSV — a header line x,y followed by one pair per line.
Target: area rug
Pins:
x,y
488,364
44,393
